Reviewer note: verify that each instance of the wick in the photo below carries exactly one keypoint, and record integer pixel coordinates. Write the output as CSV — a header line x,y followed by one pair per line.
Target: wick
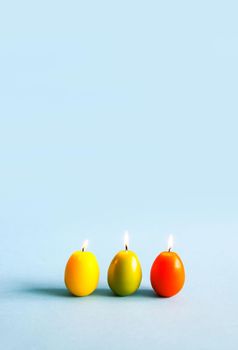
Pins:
x,y
83,249
126,247
169,250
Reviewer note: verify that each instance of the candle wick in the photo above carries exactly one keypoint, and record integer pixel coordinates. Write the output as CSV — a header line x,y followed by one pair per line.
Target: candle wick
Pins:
x,y
169,250
126,247
83,249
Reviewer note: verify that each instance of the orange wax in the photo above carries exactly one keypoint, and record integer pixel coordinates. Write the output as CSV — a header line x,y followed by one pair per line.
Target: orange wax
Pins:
x,y
167,274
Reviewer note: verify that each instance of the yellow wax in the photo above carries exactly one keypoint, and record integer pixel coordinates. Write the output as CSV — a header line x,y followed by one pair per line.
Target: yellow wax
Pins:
x,y
81,273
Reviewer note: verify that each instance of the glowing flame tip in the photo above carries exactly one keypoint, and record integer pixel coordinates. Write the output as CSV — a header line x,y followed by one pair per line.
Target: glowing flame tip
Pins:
x,y
85,245
170,242
126,240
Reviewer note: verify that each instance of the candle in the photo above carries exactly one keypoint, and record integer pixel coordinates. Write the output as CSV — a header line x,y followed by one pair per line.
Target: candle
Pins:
x,y
82,272
167,273
124,273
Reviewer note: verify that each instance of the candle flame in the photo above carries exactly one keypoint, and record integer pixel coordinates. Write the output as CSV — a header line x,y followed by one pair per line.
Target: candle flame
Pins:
x,y
170,242
126,240
85,245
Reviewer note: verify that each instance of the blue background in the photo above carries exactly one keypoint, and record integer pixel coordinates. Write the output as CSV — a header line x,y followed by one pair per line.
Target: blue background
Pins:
x,y
113,116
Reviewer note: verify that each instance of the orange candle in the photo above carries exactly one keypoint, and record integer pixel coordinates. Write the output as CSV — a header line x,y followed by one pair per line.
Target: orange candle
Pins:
x,y
167,273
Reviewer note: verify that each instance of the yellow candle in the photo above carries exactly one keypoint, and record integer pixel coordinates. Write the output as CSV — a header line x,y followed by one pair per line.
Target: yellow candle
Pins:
x,y
82,272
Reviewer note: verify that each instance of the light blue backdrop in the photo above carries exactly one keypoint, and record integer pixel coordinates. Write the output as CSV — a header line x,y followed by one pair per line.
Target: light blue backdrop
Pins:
x,y
118,115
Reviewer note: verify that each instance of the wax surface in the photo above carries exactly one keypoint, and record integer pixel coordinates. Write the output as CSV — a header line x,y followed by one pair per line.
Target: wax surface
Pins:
x,y
82,273
167,274
124,273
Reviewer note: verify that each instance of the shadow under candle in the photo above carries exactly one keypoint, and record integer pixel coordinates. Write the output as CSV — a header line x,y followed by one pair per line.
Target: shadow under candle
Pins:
x,y
62,292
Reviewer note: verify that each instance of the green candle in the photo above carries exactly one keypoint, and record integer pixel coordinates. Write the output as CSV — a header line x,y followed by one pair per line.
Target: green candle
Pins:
x,y
124,273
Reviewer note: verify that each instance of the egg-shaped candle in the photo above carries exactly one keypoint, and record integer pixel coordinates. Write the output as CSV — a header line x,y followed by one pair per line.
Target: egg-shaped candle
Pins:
x,y
124,273
167,273
82,272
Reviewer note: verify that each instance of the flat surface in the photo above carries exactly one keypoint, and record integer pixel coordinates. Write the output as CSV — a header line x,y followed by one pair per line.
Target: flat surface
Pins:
x,y
114,116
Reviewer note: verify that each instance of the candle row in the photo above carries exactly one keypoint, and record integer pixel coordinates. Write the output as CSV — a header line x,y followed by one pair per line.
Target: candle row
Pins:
x,y
167,273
